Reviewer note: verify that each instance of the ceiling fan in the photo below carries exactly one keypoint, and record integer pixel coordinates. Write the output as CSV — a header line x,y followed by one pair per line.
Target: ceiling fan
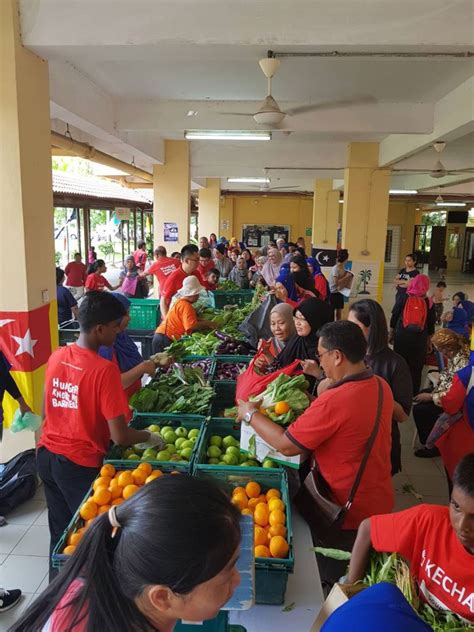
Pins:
x,y
438,170
266,188
269,112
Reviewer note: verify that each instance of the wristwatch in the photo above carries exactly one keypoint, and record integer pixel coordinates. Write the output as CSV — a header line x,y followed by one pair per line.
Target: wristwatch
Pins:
x,y
248,416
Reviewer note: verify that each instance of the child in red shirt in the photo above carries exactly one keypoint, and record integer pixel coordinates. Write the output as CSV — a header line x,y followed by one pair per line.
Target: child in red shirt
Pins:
x,y
436,541
84,408
95,279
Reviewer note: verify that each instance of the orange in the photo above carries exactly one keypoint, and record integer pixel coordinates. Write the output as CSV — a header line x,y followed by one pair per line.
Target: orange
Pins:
x,y
69,550
262,551
103,509
139,476
281,408
74,538
278,546
88,510
146,467
129,490
252,490
107,470
240,500
262,498
102,481
88,523
239,490
116,491
125,479
156,473
117,501
277,529
253,502
273,493
102,496
259,535
175,472
277,517
114,482
260,515
246,512
276,503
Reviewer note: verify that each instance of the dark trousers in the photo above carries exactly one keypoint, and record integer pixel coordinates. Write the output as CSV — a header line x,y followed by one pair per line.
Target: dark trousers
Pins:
x,y
425,414
160,342
414,352
65,485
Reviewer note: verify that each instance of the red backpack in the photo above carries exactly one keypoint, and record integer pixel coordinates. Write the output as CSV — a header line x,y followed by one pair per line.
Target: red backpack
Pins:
x,y
415,314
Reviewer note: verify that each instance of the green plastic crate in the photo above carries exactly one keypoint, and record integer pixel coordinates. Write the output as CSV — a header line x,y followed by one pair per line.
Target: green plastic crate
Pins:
x,y
57,558
232,297
271,574
142,422
144,313
224,397
218,624
222,428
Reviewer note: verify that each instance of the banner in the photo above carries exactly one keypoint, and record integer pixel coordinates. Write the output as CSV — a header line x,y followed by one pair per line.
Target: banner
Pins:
x,y
27,340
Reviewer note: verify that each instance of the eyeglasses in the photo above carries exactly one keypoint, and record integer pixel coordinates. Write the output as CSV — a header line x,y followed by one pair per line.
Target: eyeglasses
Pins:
x,y
320,355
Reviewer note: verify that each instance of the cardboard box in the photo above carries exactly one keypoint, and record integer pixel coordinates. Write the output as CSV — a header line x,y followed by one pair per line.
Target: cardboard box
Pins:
x,y
264,451
340,593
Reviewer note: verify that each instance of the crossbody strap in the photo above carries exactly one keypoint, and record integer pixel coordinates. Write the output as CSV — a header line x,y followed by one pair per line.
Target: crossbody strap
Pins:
x,y
368,447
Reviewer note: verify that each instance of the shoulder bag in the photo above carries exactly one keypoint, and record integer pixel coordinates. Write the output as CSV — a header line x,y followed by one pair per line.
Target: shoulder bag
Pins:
x,y
314,498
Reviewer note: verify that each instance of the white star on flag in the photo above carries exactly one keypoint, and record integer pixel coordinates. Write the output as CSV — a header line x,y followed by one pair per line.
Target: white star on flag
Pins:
x,y
25,344
326,258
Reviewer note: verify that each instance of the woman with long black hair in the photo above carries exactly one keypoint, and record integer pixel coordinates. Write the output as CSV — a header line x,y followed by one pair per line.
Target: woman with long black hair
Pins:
x,y
384,362
167,553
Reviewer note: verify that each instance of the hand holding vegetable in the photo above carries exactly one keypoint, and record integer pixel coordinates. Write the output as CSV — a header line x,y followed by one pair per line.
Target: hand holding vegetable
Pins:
x,y
246,407
149,367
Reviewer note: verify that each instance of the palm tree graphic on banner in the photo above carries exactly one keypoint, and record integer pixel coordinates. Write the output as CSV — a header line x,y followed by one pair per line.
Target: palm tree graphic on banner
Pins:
x,y
364,278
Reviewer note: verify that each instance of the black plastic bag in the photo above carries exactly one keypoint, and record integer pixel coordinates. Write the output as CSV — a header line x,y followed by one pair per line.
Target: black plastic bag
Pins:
x,y
18,481
257,324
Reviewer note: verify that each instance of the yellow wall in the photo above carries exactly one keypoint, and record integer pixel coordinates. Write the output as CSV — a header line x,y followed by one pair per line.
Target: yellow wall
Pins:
x,y
295,211
403,213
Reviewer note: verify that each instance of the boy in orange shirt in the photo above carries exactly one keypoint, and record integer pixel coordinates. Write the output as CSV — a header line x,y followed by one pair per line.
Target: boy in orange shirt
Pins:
x,y
182,318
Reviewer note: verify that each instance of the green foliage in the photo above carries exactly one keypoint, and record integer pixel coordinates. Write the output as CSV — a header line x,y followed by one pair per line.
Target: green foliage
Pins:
x,y
106,249
57,257
71,165
435,218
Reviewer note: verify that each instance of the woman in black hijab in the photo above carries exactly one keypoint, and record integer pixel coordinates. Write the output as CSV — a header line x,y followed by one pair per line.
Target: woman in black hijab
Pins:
x,y
309,316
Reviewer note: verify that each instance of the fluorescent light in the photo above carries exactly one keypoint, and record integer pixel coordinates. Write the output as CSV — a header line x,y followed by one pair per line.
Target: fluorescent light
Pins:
x,y
192,113
403,191
341,201
450,204
226,135
250,180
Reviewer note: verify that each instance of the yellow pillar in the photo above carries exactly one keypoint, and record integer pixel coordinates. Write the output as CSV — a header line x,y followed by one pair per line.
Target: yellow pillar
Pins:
x,y
209,201
325,215
28,314
365,210
171,208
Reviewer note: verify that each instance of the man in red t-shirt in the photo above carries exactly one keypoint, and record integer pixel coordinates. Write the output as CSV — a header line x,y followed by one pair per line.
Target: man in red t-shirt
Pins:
x,y
163,266
436,541
336,428
189,264
140,255
206,264
76,273
84,408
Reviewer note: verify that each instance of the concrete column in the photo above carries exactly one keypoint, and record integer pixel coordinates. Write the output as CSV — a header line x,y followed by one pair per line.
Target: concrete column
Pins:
x,y
325,215
172,194
365,210
28,313
209,202
226,219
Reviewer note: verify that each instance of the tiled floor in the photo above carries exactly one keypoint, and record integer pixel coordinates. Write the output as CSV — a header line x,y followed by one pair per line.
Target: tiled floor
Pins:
x,y
24,541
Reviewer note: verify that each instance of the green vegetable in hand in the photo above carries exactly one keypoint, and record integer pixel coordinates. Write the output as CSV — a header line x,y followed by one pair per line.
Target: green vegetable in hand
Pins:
x,y
334,554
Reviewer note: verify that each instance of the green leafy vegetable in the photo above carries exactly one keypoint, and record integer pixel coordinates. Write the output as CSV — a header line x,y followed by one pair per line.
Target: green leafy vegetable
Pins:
x,y
334,554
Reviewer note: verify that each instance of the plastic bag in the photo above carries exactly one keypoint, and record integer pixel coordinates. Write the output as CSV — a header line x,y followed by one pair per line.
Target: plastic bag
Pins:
x,y
28,421
251,383
257,324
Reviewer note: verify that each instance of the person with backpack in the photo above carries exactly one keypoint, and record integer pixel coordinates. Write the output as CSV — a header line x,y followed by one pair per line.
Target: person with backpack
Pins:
x,y
411,326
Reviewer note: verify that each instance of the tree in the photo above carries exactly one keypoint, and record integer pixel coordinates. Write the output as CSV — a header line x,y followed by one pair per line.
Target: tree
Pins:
x,y
107,248
365,276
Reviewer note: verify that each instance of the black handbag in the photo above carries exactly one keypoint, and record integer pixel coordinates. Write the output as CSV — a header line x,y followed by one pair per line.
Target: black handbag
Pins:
x,y
314,498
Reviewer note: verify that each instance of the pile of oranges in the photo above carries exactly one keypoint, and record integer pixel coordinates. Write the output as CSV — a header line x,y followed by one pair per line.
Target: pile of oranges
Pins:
x,y
111,487
268,511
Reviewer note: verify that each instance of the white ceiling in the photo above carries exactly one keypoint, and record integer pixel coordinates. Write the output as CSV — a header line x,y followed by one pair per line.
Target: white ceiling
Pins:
x,y
124,73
